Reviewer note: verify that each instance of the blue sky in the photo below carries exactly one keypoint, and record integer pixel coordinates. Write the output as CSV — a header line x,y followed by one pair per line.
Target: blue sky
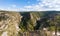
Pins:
x,y
29,5
20,3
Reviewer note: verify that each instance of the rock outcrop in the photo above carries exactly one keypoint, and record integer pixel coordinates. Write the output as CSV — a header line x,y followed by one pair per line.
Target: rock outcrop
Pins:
x,y
9,22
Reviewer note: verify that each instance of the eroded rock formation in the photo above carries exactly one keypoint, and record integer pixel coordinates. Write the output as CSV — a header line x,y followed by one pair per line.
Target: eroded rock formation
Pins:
x,y
9,22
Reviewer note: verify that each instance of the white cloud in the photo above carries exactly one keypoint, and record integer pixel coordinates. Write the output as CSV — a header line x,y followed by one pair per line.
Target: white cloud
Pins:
x,y
11,8
43,5
51,3
13,5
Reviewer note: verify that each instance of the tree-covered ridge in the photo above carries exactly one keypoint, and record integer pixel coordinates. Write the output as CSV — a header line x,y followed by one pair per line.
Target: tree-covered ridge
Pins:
x,y
34,20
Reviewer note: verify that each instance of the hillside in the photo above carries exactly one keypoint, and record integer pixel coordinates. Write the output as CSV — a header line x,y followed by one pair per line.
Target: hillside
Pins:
x,y
31,19
13,23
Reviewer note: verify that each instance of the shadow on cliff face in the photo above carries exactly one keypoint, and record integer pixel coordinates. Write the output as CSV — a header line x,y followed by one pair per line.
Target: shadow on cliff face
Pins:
x,y
3,16
24,20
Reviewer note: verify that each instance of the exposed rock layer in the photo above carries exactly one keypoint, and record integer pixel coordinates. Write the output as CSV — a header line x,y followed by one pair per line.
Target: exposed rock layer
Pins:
x,y
9,22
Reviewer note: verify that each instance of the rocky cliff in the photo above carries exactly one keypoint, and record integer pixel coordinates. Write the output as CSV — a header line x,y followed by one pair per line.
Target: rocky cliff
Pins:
x,y
9,22
14,23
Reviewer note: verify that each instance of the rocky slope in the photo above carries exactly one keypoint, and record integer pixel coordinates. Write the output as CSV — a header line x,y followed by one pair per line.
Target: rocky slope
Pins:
x,y
9,22
14,23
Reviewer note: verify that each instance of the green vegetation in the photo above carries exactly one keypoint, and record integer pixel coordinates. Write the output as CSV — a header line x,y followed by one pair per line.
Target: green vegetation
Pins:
x,y
49,19
32,21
